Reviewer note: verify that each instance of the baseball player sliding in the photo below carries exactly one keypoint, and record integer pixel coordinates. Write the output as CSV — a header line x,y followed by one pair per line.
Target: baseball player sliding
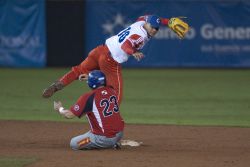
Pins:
x,y
116,50
102,110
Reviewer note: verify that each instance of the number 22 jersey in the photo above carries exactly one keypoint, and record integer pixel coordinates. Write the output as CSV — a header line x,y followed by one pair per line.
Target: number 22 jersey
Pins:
x,y
128,41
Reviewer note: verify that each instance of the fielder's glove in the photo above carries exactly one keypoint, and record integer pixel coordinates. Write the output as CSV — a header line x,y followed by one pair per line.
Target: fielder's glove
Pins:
x,y
178,26
48,92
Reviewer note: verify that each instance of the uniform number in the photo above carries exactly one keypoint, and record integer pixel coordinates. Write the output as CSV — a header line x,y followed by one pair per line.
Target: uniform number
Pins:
x,y
107,111
122,35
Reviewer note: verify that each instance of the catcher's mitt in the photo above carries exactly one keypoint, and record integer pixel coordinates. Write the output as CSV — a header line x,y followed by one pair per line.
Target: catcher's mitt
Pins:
x,y
178,26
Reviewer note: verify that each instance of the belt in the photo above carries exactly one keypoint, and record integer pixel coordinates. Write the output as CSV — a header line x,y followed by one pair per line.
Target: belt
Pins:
x,y
107,135
113,135
110,136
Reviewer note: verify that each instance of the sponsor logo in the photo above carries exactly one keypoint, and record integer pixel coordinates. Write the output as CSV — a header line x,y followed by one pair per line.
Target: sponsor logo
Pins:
x,y
20,41
104,92
207,31
167,33
76,107
158,20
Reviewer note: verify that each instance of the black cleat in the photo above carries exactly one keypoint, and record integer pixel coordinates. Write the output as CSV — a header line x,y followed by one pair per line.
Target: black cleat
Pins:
x,y
117,146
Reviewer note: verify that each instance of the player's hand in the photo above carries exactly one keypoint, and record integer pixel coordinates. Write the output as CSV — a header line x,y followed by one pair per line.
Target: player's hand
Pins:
x,y
57,105
138,55
83,77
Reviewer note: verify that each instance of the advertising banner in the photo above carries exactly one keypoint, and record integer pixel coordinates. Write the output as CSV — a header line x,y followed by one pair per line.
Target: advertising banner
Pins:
x,y
219,34
22,33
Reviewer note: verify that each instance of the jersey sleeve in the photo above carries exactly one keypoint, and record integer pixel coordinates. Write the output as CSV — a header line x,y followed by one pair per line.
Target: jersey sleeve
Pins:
x,y
83,104
164,21
142,18
132,44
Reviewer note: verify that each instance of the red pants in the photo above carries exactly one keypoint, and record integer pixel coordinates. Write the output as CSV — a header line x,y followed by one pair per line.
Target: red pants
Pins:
x,y
99,59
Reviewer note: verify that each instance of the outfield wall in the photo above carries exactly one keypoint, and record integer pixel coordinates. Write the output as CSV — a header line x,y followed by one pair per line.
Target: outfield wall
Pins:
x,y
219,34
22,33
61,33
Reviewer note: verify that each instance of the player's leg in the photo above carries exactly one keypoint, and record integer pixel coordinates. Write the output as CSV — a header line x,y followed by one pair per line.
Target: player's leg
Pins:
x,y
89,141
84,141
104,142
89,64
112,71
115,80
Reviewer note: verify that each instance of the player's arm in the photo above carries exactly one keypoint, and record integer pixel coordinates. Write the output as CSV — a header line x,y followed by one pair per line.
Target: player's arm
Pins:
x,y
131,46
77,72
83,104
179,26
64,112
176,24
164,21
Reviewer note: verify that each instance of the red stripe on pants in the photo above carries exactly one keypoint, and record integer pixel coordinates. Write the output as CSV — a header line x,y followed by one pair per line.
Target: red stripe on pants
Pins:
x,y
100,59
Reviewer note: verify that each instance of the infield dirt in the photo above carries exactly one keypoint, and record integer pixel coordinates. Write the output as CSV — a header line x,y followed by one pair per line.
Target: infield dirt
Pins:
x,y
163,146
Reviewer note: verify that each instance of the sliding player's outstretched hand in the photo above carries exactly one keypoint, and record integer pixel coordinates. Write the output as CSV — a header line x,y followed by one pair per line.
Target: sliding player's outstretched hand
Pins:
x,y
57,105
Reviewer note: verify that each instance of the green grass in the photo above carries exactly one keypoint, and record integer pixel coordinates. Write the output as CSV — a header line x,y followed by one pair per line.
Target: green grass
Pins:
x,y
151,96
15,162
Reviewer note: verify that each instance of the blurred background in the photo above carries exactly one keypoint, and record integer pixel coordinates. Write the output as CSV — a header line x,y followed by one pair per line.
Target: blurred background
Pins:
x,y
201,80
49,33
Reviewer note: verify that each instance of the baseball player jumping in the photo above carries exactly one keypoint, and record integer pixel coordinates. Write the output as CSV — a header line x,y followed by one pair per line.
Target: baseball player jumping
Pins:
x,y
116,50
102,110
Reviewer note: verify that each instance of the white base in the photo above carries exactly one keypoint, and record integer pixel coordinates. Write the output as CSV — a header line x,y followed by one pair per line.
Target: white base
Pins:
x,y
131,143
